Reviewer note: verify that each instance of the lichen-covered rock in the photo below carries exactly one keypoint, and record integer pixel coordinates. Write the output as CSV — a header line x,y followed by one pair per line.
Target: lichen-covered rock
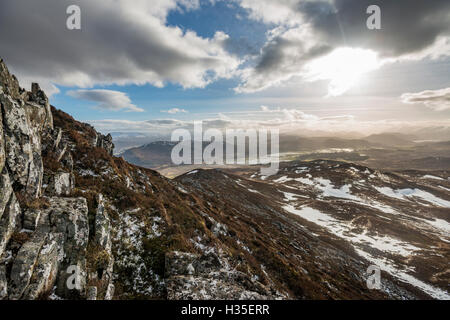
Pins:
x,y
102,225
61,238
5,191
46,269
69,216
8,82
24,264
2,144
31,218
207,277
110,292
65,221
101,259
105,142
61,184
51,139
18,144
23,143
9,221
38,98
57,139
91,293
181,263
24,117
58,150
209,288
3,283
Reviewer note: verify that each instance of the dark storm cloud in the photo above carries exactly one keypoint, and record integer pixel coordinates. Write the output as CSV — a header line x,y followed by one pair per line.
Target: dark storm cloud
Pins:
x,y
407,26
274,52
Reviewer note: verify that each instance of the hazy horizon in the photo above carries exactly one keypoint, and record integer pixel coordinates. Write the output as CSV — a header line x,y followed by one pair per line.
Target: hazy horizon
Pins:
x,y
313,68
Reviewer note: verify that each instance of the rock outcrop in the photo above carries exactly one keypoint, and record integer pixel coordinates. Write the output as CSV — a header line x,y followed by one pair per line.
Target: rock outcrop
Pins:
x,y
45,230
58,240
61,184
105,142
40,238
9,222
25,116
208,277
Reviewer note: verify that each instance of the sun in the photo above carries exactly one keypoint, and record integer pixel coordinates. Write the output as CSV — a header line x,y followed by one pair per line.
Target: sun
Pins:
x,y
343,67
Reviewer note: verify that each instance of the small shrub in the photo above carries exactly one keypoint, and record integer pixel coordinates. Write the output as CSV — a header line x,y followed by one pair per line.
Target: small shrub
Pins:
x,y
20,237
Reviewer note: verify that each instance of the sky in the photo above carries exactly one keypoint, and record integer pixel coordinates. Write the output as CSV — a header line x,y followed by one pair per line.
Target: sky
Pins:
x,y
301,65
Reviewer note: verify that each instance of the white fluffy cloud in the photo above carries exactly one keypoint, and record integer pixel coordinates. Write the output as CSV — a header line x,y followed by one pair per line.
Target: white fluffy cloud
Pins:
x,y
107,99
269,11
438,100
121,42
174,111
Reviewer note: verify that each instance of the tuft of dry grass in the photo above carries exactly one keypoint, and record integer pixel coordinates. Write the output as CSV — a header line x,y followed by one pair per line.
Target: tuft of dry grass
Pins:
x,y
33,204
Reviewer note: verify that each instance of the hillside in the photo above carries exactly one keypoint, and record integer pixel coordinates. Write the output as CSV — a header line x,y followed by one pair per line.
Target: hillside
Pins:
x,y
78,223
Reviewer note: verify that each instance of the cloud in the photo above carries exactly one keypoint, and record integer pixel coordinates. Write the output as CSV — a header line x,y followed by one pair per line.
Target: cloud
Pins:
x,y
121,42
289,114
285,119
282,57
276,12
406,26
438,100
129,42
293,114
304,31
107,99
304,125
174,111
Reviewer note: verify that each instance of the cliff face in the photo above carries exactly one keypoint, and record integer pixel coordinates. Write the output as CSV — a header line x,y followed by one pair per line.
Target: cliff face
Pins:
x,y
38,236
25,116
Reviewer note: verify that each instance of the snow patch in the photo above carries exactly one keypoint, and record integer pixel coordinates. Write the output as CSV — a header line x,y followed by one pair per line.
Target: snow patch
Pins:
x,y
432,177
344,230
404,194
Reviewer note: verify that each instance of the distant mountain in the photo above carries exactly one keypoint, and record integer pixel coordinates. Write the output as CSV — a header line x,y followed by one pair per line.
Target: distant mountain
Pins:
x,y
391,139
151,155
291,143
157,154
439,133
128,140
